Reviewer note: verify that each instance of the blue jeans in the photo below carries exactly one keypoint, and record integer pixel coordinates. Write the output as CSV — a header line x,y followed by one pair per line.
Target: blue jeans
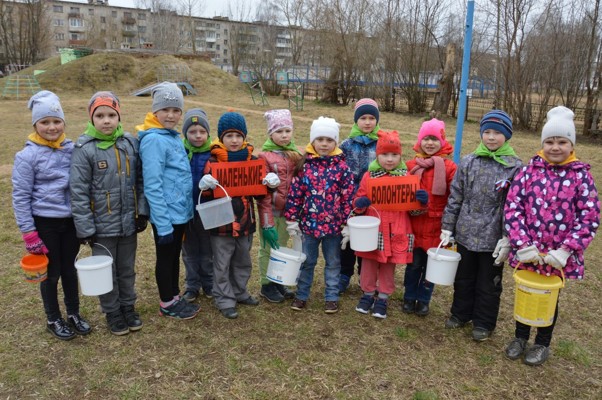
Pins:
x,y
416,286
331,250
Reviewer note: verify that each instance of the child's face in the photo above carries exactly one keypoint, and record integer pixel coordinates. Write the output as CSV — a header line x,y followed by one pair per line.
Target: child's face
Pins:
x,y
105,120
430,145
50,128
233,141
324,145
389,160
366,123
557,149
197,135
493,139
169,117
282,137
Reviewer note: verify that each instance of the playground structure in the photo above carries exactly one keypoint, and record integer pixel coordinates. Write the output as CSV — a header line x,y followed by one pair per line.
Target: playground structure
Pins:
x,y
255,88
294,91
179,74
20,86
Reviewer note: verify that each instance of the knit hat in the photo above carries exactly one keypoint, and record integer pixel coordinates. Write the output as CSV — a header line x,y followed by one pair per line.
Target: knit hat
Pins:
x,y
559,122
366,106
433,127
195,116
388,142
231,122
165,95
498,120
103,98
45,104
324,127
278,119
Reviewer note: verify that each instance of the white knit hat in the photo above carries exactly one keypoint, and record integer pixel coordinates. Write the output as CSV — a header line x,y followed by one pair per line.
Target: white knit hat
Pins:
x,y
324,127
559,122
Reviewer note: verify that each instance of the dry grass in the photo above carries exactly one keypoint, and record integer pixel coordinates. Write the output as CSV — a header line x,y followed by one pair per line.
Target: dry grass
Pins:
x,y
271,352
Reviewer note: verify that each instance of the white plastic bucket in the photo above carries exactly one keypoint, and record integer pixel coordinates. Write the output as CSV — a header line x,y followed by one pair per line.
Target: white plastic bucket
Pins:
x,y
284,266
363,232
95,274
442,265
216,212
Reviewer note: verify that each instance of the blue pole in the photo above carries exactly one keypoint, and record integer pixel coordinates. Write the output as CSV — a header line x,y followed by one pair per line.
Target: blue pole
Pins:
x,y
464,80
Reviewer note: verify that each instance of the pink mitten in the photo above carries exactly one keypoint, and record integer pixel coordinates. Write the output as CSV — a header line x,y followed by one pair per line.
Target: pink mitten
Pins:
x,y
33,243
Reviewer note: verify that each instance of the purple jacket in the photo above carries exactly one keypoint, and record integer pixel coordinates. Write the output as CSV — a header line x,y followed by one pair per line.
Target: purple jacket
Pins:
x,y
551,207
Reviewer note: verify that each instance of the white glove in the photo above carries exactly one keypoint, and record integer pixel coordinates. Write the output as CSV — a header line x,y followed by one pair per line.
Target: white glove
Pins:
x,y
208,182
271,180
345,240
557,258
529,255
445,237
292,227
502,249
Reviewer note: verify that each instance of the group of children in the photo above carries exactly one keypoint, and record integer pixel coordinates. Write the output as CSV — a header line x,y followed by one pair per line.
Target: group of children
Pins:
x,y
103,189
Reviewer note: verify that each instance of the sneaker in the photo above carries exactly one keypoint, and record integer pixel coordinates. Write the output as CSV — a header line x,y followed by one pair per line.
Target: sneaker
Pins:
x,y
331,307
208,293
190,295
298,304
409,306
380,309
536,355
516,348
454,322
480,334
365,304
270,292
60,329
229,313
116,323
422,309
249,301
343,283
285,291
79,325
180,309
132,318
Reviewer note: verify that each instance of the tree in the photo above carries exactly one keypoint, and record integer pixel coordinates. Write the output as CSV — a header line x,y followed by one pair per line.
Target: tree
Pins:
x,y
190,8
167,25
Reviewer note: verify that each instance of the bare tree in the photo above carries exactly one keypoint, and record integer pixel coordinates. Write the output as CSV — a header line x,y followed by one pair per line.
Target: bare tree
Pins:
x,y
167,25
189,9
593,72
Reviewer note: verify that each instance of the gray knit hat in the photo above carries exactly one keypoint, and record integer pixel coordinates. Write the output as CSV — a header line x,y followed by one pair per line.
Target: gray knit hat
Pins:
x,y
167,94
45,104
195,116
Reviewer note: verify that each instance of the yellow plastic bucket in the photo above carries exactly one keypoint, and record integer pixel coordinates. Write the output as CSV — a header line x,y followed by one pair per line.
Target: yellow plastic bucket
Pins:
x,y
535,297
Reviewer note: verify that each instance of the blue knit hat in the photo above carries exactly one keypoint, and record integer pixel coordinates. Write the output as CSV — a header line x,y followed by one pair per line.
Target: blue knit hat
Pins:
x,y
499,121
45,104
366,106
195,116
231,122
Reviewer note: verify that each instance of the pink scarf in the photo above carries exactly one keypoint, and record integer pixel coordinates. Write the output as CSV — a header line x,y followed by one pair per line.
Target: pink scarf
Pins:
x,y
439,183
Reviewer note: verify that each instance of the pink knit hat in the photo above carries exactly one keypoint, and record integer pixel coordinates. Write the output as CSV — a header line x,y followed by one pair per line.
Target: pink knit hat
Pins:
x,y
278,119
436,128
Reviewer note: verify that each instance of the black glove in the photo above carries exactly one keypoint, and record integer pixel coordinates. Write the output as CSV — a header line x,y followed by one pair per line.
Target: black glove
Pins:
x,y
163,240
141,223
422,196
88,241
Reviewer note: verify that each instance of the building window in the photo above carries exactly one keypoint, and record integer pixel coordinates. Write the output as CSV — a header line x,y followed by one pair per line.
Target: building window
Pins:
x,y
59,36
217,47
74,10
77,36
59,22
76,22
127,14
90,11
225,42
103,20
142,29
57,9
225,31
141,16
114,14
225,52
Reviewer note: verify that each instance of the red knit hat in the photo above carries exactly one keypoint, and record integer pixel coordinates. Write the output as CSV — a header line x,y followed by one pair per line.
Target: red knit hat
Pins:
x,y
388,142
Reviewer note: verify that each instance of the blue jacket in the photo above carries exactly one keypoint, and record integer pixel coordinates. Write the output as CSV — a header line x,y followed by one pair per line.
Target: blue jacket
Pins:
x,y
197,168
359,151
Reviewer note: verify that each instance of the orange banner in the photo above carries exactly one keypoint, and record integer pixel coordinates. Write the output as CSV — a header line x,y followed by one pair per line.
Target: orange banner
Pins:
x,y
240,178
394,193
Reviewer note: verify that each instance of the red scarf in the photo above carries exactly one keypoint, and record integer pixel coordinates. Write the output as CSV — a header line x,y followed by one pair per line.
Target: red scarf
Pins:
x,y
439,182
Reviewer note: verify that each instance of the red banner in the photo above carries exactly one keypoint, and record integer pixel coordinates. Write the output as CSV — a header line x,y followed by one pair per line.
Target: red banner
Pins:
x,y
240,178
394,193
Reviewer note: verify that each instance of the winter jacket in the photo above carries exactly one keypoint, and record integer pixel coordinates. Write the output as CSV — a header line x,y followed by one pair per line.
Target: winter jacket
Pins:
x,y
167,177
396,241
41,183
359,151
284,168
106,187
320,195
552,207
475,209
427,225
197,168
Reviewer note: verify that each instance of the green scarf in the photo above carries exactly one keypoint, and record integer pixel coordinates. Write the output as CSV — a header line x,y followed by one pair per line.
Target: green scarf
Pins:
x,y
104,141
356,131
269,145
504,150
193,149
400,169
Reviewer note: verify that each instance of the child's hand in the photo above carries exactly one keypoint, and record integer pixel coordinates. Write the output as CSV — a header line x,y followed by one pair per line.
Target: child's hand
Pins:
x,y
270,236
208,182
529,255
33,243
362,202
141,223
88,241
502,250
422,196
292,227
271,180
345,233
445,237
557,258
163,240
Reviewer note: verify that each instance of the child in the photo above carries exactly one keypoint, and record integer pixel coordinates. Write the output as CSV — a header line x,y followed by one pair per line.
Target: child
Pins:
x,y
552,214
281,156
473,215
318,203
360,150
196,248
436,173
42,209
108,204
231,244
395,230
168,190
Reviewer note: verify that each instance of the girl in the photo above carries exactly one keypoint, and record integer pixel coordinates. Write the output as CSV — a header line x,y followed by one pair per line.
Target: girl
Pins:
x,y
436,173
318,203
108,204
552,214
473,215
42,209
281,156
395,230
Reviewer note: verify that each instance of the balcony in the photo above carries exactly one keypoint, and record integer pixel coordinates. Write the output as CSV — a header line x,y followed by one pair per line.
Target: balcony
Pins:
x,y
76,29
75,15
128,21
125,33
210,39
283,36
77,42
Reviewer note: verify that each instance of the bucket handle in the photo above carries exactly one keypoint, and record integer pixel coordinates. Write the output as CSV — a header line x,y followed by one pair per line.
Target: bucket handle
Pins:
x,y
541,255
348,216
201,192
93,244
